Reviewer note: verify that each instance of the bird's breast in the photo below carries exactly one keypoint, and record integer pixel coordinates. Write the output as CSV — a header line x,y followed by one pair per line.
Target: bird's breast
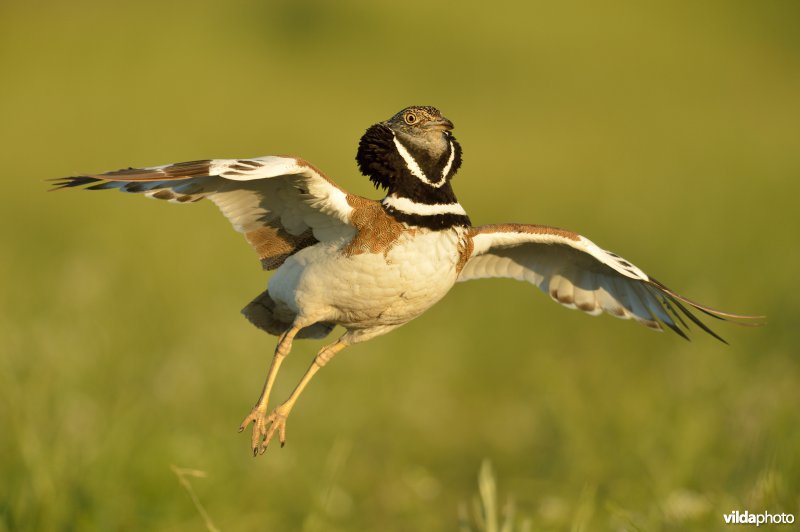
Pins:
x,y
386,287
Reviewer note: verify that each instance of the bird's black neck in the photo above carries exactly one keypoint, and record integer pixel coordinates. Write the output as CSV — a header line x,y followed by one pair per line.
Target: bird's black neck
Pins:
x,y
417,182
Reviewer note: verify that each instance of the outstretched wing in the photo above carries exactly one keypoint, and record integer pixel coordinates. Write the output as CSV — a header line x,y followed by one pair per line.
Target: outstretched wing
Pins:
x,y
281,204
578,274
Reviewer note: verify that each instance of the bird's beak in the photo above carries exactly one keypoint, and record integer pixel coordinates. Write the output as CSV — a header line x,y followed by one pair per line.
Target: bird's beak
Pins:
x,y
442,124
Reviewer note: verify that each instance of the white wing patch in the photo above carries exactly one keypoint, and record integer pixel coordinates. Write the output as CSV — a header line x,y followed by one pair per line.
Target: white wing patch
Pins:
x,y
612,260
484,241
323,195
578,274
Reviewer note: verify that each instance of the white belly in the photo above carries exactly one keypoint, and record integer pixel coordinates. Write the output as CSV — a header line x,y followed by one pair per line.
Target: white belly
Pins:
x,y
369,290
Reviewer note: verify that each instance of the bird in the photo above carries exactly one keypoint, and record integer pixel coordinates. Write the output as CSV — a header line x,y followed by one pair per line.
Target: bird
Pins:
x,y
369,265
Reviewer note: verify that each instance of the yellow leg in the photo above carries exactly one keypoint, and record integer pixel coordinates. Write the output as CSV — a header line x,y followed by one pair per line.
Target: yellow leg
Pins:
x,y
258,414
278,416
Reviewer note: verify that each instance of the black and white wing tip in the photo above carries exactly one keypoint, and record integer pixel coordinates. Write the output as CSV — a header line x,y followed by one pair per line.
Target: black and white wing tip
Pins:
x,y
681,302
281,204
578,274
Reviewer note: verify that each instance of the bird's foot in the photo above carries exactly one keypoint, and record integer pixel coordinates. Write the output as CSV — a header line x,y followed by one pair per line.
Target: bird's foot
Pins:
x,y
265,426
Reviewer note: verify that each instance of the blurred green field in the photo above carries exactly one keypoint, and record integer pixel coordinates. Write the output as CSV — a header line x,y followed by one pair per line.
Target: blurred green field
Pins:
x,y
666,132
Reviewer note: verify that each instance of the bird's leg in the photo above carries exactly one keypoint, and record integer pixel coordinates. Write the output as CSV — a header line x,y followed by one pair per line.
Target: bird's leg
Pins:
x,y
259,413
279,415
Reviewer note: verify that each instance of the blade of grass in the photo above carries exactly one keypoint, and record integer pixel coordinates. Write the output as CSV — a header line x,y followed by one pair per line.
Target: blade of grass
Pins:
x,y
182,475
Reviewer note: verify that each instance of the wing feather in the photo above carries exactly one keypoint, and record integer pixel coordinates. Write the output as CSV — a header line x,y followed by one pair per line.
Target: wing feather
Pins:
x,y
294,201
585,289
577,273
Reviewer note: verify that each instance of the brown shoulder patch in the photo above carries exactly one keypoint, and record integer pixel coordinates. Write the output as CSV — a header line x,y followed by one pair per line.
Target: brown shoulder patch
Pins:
x,y
525,228
377,231
274,244
465,248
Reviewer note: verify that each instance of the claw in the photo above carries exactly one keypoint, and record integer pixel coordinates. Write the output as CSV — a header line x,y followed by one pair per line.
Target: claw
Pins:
x,y
264,428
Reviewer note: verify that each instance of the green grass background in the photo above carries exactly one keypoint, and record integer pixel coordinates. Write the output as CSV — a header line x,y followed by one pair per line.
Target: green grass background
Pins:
x,y
667,132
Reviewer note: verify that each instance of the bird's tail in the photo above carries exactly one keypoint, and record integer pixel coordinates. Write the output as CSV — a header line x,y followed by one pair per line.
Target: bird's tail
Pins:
x,y
262,313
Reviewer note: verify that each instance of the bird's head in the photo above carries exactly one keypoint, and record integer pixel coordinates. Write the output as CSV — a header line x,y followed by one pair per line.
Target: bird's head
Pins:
x,y
421,125
414,148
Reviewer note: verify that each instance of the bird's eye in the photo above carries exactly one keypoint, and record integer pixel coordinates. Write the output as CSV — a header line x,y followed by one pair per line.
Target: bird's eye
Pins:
x,y
410,118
